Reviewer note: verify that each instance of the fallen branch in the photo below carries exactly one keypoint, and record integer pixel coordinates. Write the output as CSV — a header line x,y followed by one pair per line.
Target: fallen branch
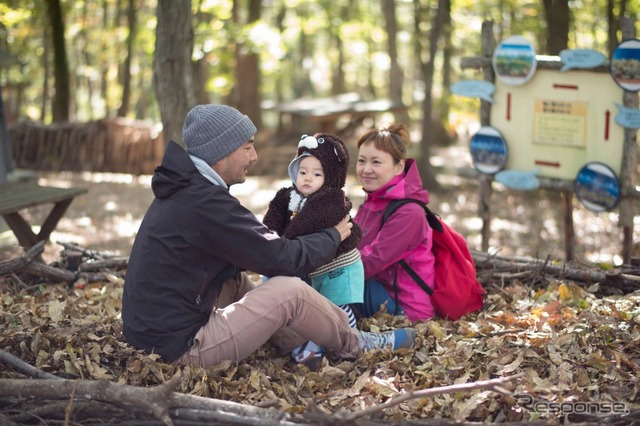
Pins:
x,y
488,261
50,272
160,401
9,267
87,410
28,263
100,265
92,254
492,384
169,406
22,367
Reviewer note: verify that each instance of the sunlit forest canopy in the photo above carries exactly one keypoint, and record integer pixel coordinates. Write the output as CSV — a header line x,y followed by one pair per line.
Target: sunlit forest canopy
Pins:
x,y
303,49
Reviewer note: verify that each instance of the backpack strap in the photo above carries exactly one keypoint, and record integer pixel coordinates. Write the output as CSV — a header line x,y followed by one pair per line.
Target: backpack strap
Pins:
x,y
395,292
432,218
416,277
434,223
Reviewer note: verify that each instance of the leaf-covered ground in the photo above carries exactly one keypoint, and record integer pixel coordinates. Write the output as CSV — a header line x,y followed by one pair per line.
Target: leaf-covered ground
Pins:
x,y
577,352
575,345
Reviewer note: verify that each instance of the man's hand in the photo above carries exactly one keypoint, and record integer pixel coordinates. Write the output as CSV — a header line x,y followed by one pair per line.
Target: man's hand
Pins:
x,y
344,228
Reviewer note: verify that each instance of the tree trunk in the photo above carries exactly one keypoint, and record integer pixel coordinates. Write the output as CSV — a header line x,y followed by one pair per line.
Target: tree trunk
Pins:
x,y
337,74
126,67
6,153
280,79
302,85
172,70
371,49
104,66
395,72
557,16
447,69
417,47
428,131
396,76
200,66
613,22
247,71
46,49
61,98
82,50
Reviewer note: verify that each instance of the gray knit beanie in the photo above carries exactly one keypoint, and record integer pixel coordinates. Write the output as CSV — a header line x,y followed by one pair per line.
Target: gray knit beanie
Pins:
x,y
211,132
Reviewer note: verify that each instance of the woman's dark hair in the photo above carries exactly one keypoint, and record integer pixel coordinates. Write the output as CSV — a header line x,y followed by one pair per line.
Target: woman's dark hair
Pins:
x,y
393,139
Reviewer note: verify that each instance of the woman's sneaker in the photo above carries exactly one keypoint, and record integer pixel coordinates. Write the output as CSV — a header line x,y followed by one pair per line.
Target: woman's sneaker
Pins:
x,y
402,338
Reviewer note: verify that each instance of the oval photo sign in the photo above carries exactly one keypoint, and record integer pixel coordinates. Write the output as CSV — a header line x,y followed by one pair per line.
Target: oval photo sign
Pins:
x,y
488,150
597,187
625,65
514,61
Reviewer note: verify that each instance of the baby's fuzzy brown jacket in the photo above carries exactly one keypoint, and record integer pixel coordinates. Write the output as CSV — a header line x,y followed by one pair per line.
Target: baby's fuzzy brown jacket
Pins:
x,y
323,209
326,207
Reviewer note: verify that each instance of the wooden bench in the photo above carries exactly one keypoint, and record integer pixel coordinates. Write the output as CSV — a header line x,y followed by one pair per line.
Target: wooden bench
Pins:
x,y
16,196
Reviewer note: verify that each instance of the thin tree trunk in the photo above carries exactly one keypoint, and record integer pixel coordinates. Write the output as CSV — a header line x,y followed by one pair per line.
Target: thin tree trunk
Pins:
x,y
447,69
337,75
247,87
613,26
200,66
395,72
396,76
104,67
46,52
428,131
371,48
61,98
172,70
613,22
417,46
302,85
6,153
280,78
81,44
126,67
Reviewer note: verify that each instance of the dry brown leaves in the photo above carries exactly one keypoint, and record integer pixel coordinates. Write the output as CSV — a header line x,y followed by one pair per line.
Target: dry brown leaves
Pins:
x,y
577,352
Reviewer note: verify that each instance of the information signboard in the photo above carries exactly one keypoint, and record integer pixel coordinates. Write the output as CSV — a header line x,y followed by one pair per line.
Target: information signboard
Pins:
x,y
559,121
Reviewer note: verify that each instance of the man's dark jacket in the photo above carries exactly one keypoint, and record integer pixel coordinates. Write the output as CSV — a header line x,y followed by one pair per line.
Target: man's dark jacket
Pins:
x,y
195,236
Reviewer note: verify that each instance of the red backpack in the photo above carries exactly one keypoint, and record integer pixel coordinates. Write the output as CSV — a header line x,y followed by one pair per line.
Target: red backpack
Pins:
x,y
456,290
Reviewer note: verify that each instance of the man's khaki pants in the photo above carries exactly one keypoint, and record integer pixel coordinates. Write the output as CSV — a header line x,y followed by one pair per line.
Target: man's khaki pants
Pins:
x,y
283,310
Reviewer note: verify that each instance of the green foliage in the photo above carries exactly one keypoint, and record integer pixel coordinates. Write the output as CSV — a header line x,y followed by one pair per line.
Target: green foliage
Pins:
x,y
297,43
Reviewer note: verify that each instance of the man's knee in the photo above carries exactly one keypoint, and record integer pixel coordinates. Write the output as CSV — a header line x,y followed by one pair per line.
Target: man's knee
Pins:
x,y
290,285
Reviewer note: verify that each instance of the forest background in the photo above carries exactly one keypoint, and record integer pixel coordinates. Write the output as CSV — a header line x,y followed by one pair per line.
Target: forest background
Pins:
x,y
79,61
65,63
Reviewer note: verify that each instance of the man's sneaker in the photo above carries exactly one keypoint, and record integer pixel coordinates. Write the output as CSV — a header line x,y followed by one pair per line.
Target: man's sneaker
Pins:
x,y
308,354
402,338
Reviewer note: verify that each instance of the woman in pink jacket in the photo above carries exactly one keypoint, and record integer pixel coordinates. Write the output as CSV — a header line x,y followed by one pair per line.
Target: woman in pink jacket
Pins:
x,y
386,174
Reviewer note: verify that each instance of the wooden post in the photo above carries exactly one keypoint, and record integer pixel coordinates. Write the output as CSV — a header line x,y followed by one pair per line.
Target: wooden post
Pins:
x,y
484,210
569,235
627,169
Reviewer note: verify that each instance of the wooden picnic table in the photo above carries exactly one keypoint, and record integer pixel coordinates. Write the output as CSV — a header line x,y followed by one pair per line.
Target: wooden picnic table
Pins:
x,y
17,196
323,114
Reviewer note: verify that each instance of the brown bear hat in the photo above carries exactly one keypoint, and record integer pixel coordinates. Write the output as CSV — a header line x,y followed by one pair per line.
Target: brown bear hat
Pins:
x,y
332,153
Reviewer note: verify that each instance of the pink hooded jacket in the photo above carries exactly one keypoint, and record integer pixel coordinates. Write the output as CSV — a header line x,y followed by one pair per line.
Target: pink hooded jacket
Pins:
x,y
405,235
